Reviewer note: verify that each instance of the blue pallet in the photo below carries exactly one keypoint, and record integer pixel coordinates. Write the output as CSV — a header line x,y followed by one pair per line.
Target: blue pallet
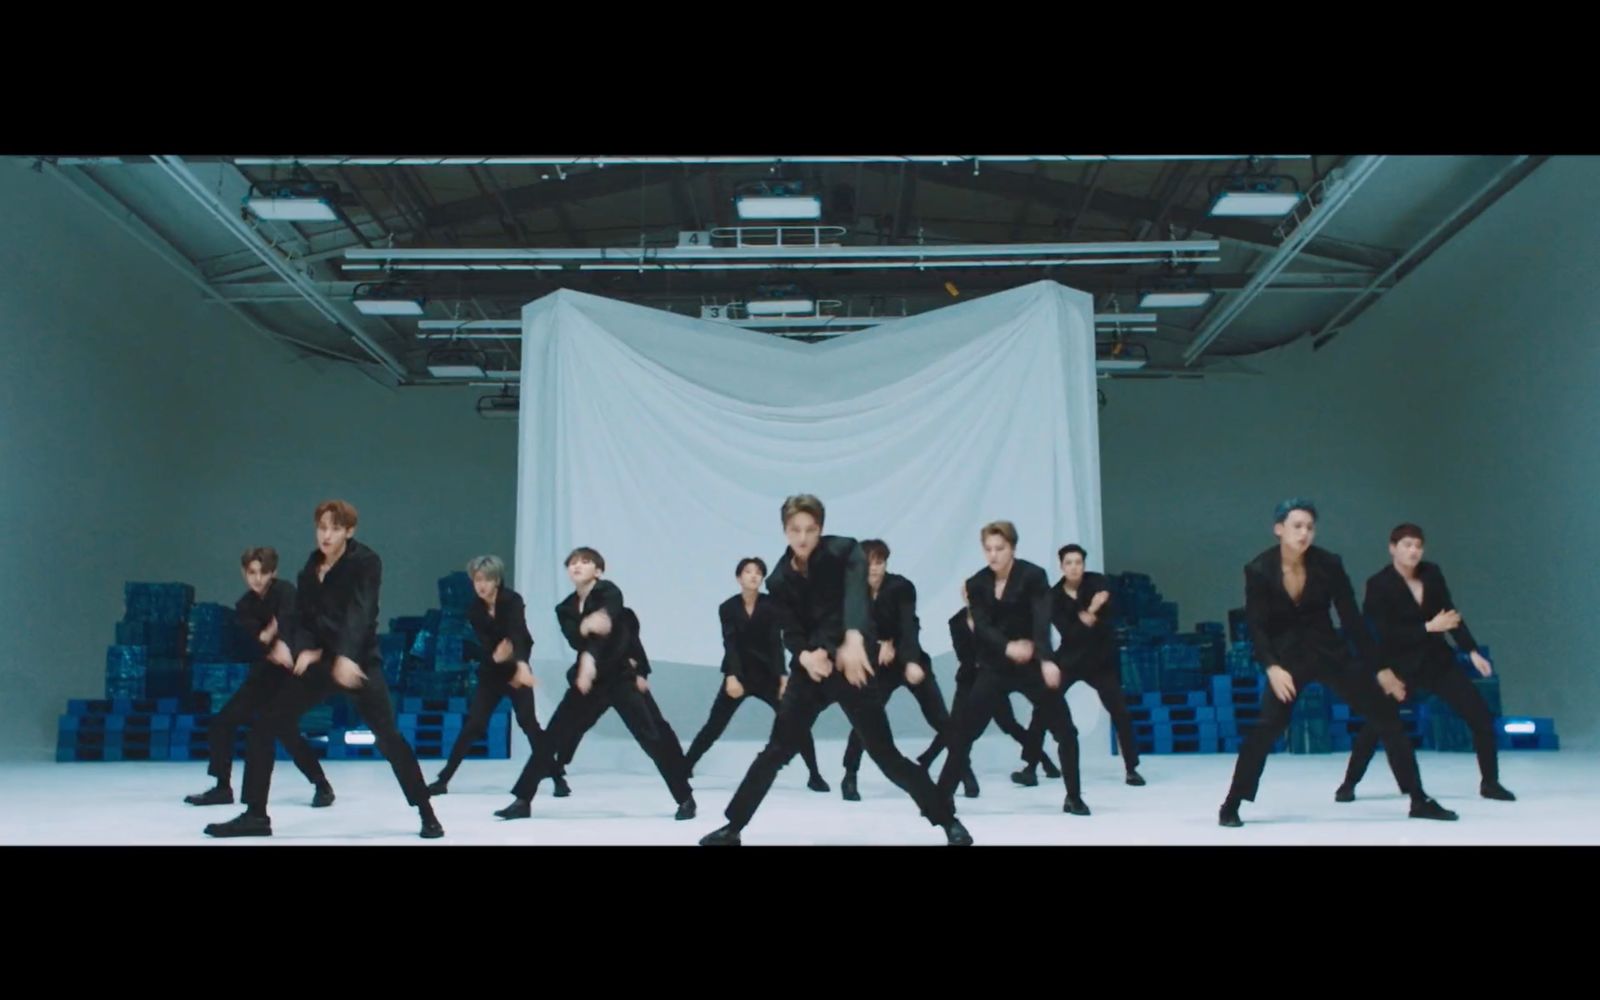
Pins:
x,y
1170,746
418,704
1240,715
129,706
1534,741
1176,730
115,723
1154,699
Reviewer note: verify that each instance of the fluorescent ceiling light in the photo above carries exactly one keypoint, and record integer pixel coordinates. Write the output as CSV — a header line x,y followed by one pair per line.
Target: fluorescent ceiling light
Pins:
x,y
1261,204
293,209
807,206
1174,300
1119,364
780,307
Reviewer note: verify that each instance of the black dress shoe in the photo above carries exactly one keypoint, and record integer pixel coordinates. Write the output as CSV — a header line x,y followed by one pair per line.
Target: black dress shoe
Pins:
x,y
847,788
1075,806
323,798
1429,809
1026,777
686,809
956,835
817,783
1345,793
438,788
222,795
520,809
727,836
1495,790
1228,815
562,788
1134,779
244,825
1050,770
432,829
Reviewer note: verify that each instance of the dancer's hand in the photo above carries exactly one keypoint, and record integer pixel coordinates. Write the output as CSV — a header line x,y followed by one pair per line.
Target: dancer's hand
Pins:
x,y
281,656
1445,621
1482,664
1392,685
347,674
503,652
816,663
1052,674
853,660
885,652
915,673
523,677
269,633
305,660
1099,601
1019,650
587,671
643,684
1282,683
1088,618
598,623
733,687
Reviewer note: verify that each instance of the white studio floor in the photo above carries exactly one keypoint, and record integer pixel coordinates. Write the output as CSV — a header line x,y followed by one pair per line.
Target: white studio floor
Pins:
x,y
619,800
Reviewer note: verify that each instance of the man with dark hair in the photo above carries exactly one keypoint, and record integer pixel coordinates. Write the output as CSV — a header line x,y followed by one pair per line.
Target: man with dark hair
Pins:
x,y
267,601
1289,590
820,583
1010,602
603,632
900,659
1081,611
1410,606
333,642
753,664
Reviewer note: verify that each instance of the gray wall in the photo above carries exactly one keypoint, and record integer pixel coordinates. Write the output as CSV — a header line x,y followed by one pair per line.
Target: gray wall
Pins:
x,y
146,435
1466,401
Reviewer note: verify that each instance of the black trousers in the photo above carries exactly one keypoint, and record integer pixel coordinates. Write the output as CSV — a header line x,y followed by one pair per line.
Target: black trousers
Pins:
x,y
1108,685
1350,682
802,702
1443,678
929,699
260,687
577,713
722,710
493,684
1004,717
282,716
972,715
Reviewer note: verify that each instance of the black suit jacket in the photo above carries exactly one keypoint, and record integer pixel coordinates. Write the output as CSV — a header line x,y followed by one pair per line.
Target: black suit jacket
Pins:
x,y
829,599
339,613
1404,642
254,613
611,651
752,645
1288,634
1083,647
510,621
1023,612
894,615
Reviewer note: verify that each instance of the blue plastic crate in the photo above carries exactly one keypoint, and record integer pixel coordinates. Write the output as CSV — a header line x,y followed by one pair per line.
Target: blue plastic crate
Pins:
x,y
455,591
157,602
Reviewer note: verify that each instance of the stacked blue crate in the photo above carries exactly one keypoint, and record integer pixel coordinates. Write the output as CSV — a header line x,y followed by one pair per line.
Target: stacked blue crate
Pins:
x,y
1238,626
455,592
1241,661
1144,663
126,667
219,680
1180,667
1311,722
